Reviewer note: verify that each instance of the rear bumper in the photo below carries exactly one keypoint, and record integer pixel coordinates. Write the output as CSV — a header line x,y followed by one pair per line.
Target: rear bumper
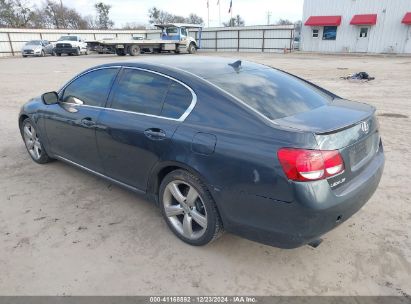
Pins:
x,y
315,210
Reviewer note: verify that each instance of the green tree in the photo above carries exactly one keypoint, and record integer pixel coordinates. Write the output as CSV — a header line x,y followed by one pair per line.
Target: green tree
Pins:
x,y
158,16
194,19
284,22
235,21
103,20
55,15
297,26
133,26
15,13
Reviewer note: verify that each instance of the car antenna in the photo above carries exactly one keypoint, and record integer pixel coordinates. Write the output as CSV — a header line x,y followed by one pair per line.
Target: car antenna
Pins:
x,y
236,65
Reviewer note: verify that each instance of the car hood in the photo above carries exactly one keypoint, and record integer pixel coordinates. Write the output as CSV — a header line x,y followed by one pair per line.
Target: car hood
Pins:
x,y
336,115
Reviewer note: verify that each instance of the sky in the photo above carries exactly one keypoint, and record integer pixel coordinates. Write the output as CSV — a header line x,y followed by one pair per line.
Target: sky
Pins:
x,y
254,12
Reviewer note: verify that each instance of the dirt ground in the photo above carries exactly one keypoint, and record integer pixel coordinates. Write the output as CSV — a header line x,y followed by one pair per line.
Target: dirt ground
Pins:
x,y
66,232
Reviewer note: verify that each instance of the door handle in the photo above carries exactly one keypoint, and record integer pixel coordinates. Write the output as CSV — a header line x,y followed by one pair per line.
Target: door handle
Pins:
x,y
155,134
88,122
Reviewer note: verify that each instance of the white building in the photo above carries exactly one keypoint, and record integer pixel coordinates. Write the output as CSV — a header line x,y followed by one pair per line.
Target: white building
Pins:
x,y
373,26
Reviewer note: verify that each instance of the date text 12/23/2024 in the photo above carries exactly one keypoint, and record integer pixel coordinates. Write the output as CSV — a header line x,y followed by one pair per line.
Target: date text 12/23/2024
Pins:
x,y
203,299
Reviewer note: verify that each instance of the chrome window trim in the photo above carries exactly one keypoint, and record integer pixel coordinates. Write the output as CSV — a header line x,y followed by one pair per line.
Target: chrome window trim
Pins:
x,y
229,94
180,119
185,113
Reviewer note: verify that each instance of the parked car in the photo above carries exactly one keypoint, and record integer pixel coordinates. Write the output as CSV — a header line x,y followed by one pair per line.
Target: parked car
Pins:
x,y
296,43
71,45
217,143
37,48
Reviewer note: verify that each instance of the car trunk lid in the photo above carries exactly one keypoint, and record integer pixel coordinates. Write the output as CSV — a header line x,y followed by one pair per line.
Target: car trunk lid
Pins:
x,y
336,115
349,127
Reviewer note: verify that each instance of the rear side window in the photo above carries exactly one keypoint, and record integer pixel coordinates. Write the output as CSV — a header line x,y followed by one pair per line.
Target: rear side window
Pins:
x,y
92,88
272,93
140,92
177,101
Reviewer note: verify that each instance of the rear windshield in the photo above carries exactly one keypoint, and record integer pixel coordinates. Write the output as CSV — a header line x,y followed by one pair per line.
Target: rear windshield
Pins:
x,y
272,93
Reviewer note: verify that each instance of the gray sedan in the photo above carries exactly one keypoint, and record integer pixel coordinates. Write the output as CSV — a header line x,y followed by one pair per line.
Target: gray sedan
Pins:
x,y
37,48
217,143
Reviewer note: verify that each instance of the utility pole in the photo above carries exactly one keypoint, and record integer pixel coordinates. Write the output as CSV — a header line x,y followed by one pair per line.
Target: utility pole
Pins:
x,y
219,13
268,17
208,13
63,23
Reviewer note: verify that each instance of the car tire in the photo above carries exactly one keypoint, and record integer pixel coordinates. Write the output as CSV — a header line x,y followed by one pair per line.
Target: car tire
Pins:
x,y
24,56
58,54
134,50
42,54
120,52
33,142
192,48
193,217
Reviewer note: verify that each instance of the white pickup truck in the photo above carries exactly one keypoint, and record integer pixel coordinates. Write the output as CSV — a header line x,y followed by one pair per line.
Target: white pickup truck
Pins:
x,y
71,45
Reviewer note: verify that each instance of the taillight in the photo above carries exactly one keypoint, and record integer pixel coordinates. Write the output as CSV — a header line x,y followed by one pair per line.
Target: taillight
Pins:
x,y
309,165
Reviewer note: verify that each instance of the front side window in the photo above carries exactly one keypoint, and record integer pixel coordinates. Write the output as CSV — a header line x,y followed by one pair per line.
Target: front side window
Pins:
x,y
92,88
315,33
330,33
183,31
141,92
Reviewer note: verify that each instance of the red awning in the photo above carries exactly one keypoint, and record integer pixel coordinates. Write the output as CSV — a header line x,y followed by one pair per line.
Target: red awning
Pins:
x,y
407,18
323,21
369,19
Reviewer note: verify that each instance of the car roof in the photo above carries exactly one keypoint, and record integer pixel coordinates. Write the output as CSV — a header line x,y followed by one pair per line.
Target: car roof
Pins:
x,y
203,66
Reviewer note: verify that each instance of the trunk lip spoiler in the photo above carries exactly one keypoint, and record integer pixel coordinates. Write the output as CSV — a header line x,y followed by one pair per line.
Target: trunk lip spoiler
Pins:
x,y
367,116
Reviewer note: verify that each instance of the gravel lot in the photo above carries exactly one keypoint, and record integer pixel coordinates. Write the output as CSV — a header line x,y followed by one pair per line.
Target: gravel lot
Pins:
x,y
66,232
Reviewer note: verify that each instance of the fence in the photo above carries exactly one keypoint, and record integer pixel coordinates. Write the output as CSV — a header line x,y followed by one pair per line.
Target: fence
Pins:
x,y
268,38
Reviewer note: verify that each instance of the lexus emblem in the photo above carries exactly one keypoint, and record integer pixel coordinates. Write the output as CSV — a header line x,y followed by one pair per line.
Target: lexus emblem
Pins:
x,y
365,126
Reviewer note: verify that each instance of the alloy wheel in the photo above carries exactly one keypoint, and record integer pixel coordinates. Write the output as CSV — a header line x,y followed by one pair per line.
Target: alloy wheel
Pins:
x,y
185,210
32,141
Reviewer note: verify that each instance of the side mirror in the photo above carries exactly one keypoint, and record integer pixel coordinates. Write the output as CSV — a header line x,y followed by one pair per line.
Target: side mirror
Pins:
x,y
50,98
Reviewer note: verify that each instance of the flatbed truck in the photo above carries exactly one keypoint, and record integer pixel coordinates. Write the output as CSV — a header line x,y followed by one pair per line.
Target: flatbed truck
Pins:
x,y
173,37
